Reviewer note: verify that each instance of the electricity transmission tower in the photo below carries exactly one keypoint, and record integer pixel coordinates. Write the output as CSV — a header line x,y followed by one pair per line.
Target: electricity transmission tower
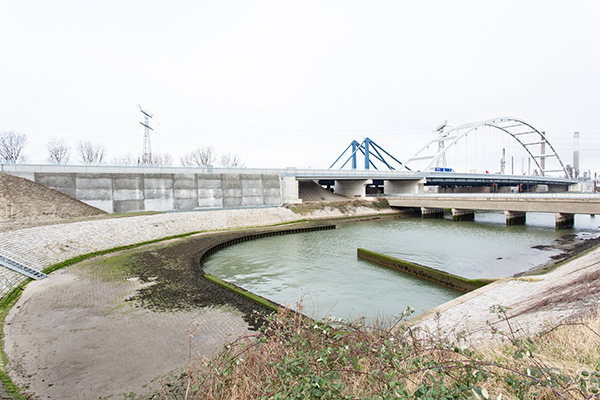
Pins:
x,y
147,151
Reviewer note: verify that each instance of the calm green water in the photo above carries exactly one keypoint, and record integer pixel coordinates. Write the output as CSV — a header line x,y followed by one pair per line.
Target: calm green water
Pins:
x,y
322,270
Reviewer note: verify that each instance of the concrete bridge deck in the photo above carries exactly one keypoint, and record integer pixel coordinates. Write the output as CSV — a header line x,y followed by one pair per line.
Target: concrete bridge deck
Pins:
x,y
566,203
514,205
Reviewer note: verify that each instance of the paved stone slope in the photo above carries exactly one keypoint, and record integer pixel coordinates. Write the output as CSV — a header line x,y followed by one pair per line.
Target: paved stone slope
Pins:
x,y
47,245
532,303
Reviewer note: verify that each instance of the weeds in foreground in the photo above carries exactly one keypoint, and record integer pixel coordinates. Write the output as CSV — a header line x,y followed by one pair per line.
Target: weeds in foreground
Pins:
x,y
294,357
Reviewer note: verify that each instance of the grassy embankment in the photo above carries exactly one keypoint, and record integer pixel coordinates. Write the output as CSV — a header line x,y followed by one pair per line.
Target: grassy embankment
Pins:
x,y
343,206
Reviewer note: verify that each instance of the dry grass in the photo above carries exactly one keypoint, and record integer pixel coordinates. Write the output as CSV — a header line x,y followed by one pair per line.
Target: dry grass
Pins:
x,y
570,349
343,206
295,357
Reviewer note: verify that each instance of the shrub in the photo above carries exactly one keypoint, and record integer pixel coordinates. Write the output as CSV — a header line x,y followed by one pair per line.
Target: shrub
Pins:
x,y
294,357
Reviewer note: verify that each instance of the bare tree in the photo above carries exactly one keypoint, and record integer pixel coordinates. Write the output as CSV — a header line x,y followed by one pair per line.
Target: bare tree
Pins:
x,y
155,159
11,146
90,153
205,155
161,159
126,160
231,160
58,151
188,159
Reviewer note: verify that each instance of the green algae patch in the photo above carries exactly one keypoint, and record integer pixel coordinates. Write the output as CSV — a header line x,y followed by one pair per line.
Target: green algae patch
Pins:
x,y
83,257
6,303
431,274
243,292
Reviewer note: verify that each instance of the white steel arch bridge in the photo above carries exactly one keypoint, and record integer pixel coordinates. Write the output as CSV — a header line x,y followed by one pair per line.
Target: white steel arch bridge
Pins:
x,y
513,137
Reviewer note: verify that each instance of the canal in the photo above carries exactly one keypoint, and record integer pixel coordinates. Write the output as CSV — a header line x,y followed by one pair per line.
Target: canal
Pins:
x,y
321,269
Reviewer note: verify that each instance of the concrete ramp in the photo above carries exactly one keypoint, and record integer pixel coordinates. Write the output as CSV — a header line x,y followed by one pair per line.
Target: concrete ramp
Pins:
x,y
312,191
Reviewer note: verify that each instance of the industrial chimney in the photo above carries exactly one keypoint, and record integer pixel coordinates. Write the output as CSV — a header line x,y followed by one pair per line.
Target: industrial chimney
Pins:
x,y
576,155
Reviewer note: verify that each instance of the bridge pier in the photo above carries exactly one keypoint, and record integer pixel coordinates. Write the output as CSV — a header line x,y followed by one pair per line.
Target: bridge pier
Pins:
x,y
515,217
431,213
404,186
564,221
352,187
463,215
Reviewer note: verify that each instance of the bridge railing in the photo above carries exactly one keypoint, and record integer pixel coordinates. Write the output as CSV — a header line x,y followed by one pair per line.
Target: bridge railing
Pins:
x,y
566,195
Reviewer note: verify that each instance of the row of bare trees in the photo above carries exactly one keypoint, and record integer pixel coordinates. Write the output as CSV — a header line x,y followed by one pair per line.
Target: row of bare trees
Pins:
x,y
59,152
155,159
89,153
207,156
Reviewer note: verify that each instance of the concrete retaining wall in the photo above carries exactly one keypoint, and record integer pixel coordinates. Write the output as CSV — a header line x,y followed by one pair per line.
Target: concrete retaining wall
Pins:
x,y
431,274
129,192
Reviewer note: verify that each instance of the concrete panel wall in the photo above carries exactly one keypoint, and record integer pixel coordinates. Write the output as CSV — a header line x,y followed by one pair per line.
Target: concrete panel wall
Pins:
x,y
129,192
97,188
158,192
185,192
210,191
252,192
64,183
232,190
271,187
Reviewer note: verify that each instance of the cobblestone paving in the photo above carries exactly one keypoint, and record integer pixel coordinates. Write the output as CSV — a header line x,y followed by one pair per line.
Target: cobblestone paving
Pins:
x,y
47,245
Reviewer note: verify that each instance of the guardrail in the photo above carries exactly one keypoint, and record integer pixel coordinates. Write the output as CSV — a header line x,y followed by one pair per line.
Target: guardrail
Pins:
x,y
289,171
567,195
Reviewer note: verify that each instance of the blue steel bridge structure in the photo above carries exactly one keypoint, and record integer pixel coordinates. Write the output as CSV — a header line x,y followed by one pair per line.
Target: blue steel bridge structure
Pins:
x,y
532,144
431,162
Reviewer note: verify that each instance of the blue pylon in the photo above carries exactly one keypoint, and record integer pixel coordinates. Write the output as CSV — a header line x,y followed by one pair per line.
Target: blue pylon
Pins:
x,y
368,148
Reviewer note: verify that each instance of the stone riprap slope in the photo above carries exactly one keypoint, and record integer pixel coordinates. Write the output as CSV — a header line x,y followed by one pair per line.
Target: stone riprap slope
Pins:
x,y
47,245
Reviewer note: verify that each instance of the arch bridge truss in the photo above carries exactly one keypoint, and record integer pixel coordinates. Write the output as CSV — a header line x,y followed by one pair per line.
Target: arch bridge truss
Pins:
x,y
535,144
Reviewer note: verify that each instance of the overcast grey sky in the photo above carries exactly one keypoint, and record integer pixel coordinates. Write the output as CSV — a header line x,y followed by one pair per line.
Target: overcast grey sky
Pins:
x,y
292,83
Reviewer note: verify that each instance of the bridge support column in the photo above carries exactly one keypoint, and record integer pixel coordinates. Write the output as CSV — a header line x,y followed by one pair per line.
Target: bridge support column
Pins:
x,y
515,217
430,213
564,221
463,215
352,188
404,186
